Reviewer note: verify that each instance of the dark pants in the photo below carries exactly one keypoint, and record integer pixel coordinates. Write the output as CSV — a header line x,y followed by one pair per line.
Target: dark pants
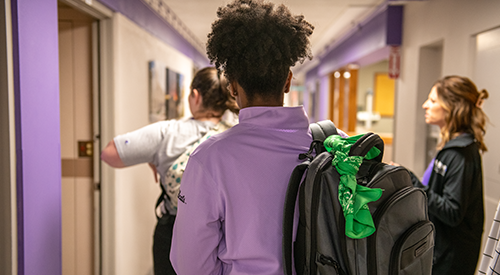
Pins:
x,y
162,242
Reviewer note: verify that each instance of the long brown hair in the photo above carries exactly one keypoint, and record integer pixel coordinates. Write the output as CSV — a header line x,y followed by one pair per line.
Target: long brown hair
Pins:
x,y
463,102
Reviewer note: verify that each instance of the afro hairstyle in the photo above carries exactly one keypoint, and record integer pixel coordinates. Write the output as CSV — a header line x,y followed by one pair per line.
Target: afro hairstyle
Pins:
x,y
255,44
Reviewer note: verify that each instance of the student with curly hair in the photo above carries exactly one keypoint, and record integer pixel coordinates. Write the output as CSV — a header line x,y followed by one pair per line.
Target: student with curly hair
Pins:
x,y
232,195
454,179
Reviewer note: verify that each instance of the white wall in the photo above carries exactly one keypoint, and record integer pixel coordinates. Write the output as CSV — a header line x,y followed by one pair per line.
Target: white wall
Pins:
x,y
426,22
486,69
129,194
454,23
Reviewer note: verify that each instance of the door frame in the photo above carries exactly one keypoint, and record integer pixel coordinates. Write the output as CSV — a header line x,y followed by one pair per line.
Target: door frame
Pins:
x,y
429,70
8,215
102,61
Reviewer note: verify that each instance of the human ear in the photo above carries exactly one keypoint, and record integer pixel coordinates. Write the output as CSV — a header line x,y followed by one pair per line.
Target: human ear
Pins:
x,y
232,89
288,82
196,96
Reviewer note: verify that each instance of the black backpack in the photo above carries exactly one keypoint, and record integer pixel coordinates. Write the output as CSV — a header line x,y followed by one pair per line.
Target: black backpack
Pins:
x,y
404,238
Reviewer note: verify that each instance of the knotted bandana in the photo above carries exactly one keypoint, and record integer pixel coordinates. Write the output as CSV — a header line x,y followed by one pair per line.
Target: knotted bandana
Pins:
x,y
353,197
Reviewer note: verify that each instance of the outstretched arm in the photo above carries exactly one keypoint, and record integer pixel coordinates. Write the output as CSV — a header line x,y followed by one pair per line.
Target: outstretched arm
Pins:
x,y
110,156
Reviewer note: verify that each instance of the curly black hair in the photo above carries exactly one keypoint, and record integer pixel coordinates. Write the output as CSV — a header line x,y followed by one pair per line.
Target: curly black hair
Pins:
x,y
256,44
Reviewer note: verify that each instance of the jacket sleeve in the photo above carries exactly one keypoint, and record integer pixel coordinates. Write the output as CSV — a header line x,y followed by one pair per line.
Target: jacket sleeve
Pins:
x,y
451,204
197,228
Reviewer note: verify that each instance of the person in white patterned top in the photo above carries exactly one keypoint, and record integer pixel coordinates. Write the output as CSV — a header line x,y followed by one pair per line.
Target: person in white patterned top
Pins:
x,y
161,143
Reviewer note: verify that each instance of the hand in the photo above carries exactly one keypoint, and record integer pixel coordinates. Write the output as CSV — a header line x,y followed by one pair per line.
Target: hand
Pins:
x,y
394,164
153,167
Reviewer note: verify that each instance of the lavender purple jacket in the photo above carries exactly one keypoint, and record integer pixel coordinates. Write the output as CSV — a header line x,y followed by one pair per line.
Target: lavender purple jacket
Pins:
x,y
230,211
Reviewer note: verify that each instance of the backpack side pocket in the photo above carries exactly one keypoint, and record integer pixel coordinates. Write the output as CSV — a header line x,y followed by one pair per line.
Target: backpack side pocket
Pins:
x,y
413,251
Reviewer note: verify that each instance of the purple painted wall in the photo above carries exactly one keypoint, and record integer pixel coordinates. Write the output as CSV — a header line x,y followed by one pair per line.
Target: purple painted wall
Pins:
x,y
36,84
365,40
366,45
142,15
394,25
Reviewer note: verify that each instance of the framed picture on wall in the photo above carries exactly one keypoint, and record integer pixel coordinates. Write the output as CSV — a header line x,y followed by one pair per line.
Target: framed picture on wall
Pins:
x,y
173,97
166,91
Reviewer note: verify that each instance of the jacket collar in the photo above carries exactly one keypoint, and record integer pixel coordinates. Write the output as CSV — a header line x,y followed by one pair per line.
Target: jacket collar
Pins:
x,y
462,140
275,117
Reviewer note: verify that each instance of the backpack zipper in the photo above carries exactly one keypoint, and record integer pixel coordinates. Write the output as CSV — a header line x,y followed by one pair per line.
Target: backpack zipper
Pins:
x,y
325,164
325,260
382,175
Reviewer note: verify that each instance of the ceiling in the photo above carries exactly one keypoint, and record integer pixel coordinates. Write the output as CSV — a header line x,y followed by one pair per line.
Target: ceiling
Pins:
x,y
331,18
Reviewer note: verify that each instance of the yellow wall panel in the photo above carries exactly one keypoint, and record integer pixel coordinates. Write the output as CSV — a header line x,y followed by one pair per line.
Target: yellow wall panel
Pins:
x,y
384,95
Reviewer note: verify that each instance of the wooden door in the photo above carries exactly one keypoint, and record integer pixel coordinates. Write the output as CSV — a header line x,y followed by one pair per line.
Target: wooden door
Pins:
x,y
75,65
343,94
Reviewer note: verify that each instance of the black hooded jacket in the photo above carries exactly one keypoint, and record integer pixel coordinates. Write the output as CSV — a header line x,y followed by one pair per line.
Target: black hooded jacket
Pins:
x,y
455,199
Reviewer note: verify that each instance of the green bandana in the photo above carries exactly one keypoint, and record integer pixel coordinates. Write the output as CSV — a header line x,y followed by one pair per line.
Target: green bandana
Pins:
x,y
353,197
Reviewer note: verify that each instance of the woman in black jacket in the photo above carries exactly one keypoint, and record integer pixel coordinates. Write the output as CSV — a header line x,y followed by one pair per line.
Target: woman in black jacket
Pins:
x,y
454,180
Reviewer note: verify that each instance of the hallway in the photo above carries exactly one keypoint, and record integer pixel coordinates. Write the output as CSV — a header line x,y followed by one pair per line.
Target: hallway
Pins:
x,y
374,64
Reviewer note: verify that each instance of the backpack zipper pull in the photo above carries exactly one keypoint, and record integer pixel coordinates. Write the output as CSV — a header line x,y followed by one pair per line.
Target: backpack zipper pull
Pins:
x,y
324,260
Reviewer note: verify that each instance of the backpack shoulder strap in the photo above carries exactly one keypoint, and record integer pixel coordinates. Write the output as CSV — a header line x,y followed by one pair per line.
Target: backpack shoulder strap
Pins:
x,y
170,188
288,214
320,131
